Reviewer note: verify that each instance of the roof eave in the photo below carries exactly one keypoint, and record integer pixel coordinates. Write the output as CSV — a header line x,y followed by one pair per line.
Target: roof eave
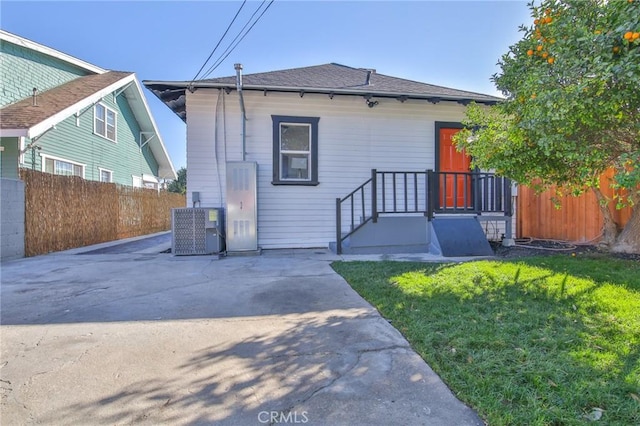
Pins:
x,y
44,125
328,91
166,170
32,45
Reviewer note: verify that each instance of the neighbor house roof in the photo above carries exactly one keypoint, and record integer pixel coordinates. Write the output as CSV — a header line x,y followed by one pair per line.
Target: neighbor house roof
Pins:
x,y
32,117
332,79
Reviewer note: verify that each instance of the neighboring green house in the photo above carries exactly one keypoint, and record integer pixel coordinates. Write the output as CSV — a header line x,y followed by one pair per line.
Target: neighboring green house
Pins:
x,y
61,115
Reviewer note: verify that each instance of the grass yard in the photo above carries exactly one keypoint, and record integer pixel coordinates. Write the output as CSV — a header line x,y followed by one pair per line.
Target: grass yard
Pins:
x,y
534,341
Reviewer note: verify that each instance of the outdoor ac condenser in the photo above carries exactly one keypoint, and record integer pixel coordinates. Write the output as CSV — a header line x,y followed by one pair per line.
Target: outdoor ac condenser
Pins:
x,y
197,231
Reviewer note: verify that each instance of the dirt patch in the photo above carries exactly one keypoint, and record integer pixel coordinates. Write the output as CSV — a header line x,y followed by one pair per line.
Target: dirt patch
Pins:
x,y
528,248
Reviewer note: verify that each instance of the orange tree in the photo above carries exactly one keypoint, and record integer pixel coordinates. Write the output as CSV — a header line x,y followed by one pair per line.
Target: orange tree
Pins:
x,y
572,107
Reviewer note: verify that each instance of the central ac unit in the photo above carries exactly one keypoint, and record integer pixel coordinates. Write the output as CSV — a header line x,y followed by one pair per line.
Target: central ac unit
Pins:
x,y
197,231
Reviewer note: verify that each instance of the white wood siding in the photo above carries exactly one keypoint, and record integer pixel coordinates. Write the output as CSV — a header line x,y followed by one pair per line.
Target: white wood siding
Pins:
x,y
205,149
352,139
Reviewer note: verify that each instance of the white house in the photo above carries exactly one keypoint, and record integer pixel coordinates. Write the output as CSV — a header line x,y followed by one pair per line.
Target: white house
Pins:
x,y
315,134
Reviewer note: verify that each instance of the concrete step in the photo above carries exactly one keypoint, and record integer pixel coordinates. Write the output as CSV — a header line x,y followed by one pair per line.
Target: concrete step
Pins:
x,y
389,235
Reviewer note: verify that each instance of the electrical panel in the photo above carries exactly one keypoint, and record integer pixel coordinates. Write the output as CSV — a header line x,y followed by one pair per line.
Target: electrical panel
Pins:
x,y
242,206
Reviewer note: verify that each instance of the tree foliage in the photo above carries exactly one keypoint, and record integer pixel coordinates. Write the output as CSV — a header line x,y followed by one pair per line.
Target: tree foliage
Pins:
x,y
572,107
179,185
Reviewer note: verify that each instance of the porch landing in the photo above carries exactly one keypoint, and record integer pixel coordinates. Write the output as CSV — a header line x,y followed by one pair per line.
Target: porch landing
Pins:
x,y
446,236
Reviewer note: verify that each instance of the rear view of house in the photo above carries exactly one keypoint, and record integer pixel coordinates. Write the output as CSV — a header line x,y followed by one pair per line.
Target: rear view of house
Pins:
x,y
65,116
331,155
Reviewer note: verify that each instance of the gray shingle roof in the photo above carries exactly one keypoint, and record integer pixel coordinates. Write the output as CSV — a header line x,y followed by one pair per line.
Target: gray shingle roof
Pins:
x,y
23,114
336,76
332,79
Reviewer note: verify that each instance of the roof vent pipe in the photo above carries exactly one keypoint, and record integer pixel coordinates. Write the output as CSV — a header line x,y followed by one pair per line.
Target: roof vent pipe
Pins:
x,y
368,81
238,68
34,97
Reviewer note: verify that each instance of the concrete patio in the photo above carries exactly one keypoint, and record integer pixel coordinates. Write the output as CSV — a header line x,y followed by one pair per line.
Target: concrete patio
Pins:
x,y
129,335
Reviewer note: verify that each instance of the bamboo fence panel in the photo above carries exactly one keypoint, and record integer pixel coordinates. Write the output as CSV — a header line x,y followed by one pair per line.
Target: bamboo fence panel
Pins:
x,y
578,219
64,212
145,211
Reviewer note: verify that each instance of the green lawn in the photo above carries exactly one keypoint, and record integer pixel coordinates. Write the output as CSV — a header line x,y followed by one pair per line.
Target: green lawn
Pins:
x,y
536,341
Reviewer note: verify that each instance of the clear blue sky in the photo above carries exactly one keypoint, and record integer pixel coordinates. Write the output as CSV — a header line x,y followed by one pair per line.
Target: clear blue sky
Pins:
x,y
449,43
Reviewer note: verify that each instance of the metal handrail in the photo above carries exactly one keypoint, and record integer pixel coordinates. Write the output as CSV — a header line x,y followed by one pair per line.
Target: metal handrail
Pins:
x,y
405,196
351,197
482,192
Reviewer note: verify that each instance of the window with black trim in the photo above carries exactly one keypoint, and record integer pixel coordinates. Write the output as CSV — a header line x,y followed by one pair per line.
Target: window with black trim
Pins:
x,y
295,150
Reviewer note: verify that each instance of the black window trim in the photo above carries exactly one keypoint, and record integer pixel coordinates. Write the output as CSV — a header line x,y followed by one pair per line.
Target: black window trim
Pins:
x,y
313,122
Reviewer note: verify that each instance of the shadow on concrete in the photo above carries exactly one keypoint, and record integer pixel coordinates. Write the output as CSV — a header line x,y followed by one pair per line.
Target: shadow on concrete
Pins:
x,y
156,339
151,287
325,371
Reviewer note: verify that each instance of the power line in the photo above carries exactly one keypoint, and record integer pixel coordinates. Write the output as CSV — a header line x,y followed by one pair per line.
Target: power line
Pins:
x,y
231,48
218,44
226,52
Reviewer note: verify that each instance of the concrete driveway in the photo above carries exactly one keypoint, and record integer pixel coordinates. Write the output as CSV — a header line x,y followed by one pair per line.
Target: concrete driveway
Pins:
x,y
134,336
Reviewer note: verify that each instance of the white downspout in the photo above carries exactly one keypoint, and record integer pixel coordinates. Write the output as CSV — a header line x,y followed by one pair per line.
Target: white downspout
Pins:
x,y
238,68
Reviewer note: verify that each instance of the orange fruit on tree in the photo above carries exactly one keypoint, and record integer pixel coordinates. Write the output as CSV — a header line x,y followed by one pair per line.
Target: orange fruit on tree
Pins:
x,y
551,60
548,20
545,54
529,52
539,48
628,35
535,21
635,36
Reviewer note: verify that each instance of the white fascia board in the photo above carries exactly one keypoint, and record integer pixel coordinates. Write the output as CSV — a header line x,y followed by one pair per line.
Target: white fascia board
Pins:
x,y
32,45
69,111
157,142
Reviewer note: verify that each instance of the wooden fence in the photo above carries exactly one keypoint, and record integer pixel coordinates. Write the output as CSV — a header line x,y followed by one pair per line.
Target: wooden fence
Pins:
x,y
64,212
578,219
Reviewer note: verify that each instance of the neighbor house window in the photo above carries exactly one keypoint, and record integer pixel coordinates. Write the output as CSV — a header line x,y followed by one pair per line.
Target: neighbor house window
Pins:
x,y
145,181
149,181
58,166
295,150
105,175
104,122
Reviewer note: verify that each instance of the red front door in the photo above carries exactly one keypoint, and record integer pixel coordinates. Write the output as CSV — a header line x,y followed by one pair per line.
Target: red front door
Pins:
x,y
455,190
